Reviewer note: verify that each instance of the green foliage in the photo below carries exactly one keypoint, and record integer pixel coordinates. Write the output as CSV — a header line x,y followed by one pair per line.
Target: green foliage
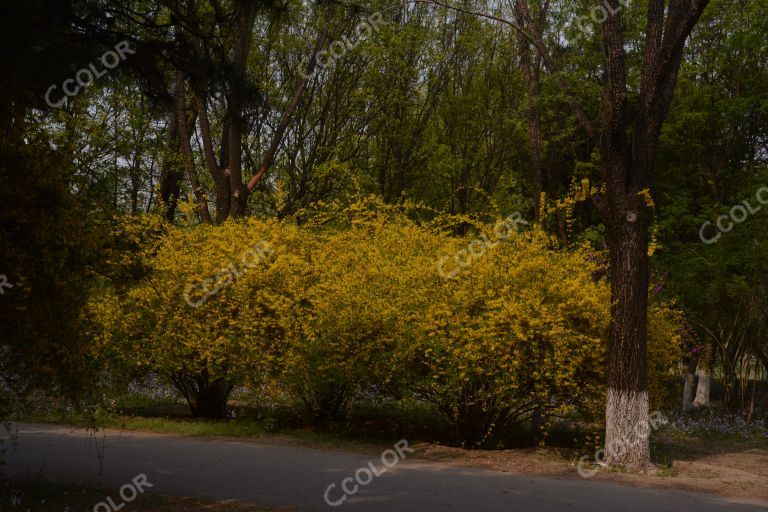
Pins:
x,y
49,249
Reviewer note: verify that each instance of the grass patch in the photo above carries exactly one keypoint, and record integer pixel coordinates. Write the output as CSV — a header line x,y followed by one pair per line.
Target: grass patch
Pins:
x,y
369,424
186,426
667,473
250,423
189,427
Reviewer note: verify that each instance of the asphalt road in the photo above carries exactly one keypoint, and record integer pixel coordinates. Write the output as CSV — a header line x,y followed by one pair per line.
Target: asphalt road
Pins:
x,y
298,477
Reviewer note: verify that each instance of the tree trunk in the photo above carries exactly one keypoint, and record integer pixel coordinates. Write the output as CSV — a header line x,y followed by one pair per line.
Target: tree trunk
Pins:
x,y
238,203
530,69
627,430
702,390
626,170
219,177
186,149
206,397
626,175
690,381
170,174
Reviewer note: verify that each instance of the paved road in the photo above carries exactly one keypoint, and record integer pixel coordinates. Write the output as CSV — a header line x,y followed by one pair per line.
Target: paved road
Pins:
x,y
297,477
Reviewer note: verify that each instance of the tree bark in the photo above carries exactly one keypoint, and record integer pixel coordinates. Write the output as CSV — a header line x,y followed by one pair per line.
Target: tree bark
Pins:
x,y
170,176
218,175
627,430
690,381
702,390
530,68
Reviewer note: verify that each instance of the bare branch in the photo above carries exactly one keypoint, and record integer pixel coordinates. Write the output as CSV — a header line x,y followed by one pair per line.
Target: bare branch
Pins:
x,y
541,48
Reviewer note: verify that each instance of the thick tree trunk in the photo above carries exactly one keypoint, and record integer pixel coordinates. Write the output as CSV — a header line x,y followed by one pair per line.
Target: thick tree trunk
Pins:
x,y
626,174
239,200
626,170
238,203
702,390
627,428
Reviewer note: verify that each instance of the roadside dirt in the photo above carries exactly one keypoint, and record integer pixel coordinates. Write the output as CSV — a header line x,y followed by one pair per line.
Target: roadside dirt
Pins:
x,y
737,471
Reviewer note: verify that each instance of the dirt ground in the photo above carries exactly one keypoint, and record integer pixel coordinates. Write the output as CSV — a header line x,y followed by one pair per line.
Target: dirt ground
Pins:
x,y
732,468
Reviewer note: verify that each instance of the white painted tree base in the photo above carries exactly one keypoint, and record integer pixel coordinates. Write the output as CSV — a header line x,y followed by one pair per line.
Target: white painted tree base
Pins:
x,y
702,390
627,430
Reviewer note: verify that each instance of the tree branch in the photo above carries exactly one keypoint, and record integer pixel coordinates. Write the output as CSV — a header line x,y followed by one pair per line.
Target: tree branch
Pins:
x,y
541,48
186,149
285,119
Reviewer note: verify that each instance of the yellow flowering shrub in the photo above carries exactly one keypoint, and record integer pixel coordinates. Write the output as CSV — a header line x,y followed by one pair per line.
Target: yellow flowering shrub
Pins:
x,y
519,330
213,310
359,299
665,322
370,279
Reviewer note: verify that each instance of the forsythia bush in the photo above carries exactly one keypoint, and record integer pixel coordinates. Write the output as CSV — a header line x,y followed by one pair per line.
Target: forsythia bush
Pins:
x,y
213,311
518,331
359,300
370,281
664,352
